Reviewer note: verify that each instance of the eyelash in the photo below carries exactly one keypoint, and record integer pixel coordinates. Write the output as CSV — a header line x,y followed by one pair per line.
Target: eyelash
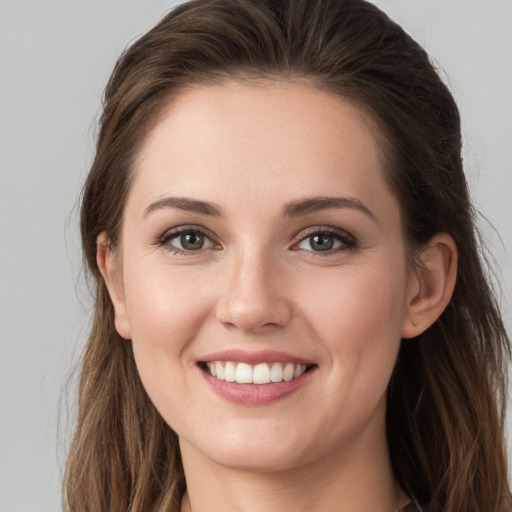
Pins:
x,y
347,241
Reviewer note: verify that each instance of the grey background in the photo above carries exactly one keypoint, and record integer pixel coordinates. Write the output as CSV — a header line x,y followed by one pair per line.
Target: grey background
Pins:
x,y
55,58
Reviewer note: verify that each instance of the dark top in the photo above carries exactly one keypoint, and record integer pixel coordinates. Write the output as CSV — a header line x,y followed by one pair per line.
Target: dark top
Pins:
x,y
413,508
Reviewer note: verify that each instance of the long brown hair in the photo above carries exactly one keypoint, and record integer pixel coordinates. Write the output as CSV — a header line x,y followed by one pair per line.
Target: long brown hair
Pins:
x,y
445,418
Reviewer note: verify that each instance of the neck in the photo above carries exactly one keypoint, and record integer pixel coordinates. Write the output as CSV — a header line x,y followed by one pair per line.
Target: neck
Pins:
x,y
357,478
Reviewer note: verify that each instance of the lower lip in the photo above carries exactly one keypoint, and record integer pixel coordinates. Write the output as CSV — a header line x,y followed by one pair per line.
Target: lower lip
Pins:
x,y
256,394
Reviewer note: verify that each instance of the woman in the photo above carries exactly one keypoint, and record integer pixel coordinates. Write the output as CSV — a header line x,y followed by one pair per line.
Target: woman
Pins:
x,y
291,311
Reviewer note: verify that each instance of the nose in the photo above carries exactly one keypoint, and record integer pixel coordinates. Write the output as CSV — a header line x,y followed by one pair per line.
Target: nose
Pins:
x,y
255,296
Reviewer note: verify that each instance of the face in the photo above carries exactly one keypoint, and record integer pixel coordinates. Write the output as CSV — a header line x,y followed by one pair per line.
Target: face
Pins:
x,y
262,274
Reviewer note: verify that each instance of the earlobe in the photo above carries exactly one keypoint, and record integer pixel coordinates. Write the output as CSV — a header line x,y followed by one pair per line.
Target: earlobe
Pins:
x,y
433,285
110,268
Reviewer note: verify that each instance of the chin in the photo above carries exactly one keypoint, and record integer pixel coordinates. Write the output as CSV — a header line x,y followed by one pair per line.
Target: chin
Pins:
x,y
250,453
259,461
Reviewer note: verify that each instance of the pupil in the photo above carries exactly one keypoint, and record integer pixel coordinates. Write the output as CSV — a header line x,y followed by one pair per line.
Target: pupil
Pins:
x,y
321,242
192,241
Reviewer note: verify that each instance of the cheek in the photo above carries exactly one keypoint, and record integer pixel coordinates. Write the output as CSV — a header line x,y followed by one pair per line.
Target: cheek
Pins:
x,y
358,316
164,307
165,311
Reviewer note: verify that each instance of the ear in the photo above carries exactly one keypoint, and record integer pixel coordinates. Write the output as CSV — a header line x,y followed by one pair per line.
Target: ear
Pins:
x,y
432,285
110,267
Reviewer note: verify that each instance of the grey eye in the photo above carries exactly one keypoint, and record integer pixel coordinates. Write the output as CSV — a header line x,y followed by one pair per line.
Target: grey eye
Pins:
x,y
324,241
191,241
321,242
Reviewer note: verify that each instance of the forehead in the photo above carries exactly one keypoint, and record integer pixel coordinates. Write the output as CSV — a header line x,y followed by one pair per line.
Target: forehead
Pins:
x,y
257,138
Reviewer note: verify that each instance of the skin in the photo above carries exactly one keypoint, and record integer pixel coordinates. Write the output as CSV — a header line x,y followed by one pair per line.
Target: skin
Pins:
x,y
258,284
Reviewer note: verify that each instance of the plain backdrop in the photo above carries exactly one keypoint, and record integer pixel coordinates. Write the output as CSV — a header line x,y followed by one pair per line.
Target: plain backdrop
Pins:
x,y
55,59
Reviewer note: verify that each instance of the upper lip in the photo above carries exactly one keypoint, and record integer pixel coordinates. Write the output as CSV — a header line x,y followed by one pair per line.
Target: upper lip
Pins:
x,y
254,357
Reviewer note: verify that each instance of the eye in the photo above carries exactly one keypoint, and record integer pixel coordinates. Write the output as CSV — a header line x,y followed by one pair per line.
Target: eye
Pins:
x,y
184,240
328,240
192,241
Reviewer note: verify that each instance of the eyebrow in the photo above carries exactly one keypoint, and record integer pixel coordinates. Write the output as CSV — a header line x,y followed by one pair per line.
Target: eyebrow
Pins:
x,y
314,204
296,208
184,203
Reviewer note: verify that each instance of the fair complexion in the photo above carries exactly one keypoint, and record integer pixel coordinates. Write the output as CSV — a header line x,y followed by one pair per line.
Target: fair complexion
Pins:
x,y
259,229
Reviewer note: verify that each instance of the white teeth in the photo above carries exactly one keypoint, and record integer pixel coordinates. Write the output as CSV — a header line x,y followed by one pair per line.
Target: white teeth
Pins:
x,y
262,373
220,371
212,368
288,372
243,373
276,372
230,372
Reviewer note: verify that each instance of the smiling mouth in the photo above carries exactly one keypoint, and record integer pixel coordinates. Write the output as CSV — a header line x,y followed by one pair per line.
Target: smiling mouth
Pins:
x,y
262,373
